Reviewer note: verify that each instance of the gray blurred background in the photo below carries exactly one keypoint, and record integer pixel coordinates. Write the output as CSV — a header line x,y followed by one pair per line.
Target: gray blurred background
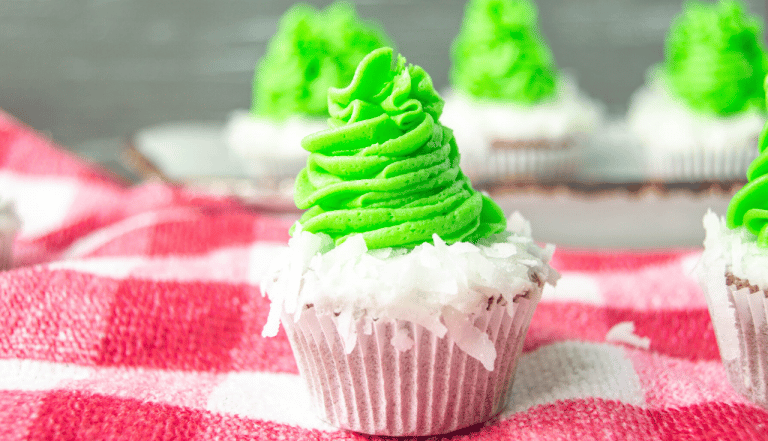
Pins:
x,y
92,72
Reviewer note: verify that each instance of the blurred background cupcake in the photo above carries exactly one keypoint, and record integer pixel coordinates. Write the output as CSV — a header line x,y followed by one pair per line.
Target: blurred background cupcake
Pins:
x,y
700,113
9,226
514,114
311,51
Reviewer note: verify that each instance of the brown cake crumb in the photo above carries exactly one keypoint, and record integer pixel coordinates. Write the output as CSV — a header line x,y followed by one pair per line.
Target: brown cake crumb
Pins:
x,y
739,283
536,279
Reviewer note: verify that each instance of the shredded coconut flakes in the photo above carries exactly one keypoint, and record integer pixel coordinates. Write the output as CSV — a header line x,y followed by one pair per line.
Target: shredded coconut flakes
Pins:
x,y
435,285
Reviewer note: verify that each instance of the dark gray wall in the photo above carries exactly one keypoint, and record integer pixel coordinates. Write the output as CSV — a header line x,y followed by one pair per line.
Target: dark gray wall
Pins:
x,y
89,69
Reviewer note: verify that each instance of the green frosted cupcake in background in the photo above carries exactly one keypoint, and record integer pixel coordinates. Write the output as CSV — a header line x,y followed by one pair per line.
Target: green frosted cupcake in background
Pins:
x,y
734,277
514,113
405,293
699,115
501,55
311,51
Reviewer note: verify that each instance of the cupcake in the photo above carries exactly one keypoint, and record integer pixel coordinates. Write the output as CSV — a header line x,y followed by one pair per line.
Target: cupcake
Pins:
x,y
734,276
9,226
701,111
311,51
406,294
514,114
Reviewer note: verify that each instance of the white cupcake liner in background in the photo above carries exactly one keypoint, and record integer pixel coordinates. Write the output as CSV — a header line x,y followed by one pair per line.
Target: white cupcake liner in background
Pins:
x,y
681,144
570,118
748,372
277,175
6,249
700,165
271,151
9,227
432,388
524,164
273,169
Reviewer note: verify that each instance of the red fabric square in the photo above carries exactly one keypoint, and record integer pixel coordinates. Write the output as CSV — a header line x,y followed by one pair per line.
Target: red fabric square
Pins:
x,y
202,234
194,232
174,325
53,315
66,416
685,334
17,413
712,421
591,260
257,353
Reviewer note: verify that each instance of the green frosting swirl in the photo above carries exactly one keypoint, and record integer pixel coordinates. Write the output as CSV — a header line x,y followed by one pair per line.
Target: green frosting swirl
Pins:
x,y
386,168
311,52
500,53
715,58
749,206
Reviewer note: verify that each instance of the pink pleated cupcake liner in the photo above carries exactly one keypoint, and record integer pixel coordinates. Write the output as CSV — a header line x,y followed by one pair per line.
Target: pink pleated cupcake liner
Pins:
x,y
748,373
701,165
432,388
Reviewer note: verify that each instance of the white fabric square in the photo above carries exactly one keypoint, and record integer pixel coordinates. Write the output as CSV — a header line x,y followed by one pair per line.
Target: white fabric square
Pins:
x,y
282,398
574,370
41,202
574,287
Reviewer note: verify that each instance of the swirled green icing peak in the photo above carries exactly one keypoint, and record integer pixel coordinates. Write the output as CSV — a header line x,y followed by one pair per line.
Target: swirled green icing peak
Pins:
x,y
311,52
386,168
500,53
715,58
749,206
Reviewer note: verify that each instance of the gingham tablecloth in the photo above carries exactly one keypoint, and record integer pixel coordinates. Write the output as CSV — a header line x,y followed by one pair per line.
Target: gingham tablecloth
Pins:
x,y
134,313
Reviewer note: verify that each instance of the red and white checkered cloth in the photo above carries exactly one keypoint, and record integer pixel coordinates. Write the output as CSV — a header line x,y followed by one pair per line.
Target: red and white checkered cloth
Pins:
x,y
132,313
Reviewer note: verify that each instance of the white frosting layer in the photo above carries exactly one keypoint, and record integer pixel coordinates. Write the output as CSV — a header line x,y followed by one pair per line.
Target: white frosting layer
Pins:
x,y
423,285
664,124
477,123
738,250
269,145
